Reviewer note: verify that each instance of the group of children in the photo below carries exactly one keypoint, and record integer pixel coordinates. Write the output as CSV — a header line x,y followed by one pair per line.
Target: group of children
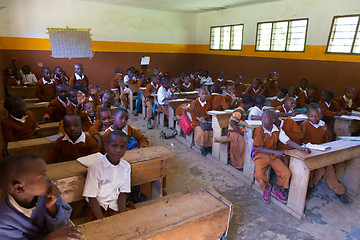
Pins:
x,y
97,134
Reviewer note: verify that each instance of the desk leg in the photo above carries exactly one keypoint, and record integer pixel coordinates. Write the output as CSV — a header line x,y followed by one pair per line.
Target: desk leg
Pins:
x,y
144,112
216,133
249,165
156,189
351,177
171,117
300,175
131,101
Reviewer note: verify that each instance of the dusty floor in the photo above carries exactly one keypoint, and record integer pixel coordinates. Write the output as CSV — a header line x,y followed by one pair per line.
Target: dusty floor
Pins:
x,y
327,218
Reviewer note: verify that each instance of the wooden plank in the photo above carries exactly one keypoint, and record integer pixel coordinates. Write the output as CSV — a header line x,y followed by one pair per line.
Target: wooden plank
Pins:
x,y
32,100
198,215
147,165
23,92
37,146
193,95
345,127
38,109
50,128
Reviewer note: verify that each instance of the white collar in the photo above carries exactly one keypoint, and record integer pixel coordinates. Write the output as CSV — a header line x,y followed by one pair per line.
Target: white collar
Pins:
x,y
215,94
46,82
79,140
107,164
281,123
125,129
202,103
62,102
220,79
285,109
320,124
26,211
77,76
302,89
327,104
22,120
280,99
255,91
274,129
119,74
154,85
187,86
73,104
91,121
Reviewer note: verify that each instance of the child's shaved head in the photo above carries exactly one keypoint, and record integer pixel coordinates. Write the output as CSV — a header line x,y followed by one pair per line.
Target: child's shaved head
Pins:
x,y
215,88
116,133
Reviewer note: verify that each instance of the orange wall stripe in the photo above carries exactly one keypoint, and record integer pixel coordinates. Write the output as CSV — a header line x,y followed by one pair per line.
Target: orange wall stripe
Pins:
x,y
312,52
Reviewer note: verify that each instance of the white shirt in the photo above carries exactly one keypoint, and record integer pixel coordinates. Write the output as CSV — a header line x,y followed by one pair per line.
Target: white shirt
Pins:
x,y
78,77
50,82
22,120
162,94
63,103
106,181
28,78
79,140
206,80
255,111
282,136
320,124
126,81
202,103
290,111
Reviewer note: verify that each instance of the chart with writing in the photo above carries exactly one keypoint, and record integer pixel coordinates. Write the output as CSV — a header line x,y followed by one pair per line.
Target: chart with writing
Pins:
x,y
70,42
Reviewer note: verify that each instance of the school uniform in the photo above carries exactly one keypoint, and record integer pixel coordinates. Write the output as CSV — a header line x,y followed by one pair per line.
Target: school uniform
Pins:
x,y
255,111
12,82
228,100
71,108
149,100
105,182
237,144
28,78
329,110
96,128
162,94
206,80
187,88
45,89
202,138
346,103
77,78
15,129
303,99
196,82
272,88
17,222
217,102
63,80
114,84
176,87
130,132
292,130
125,94
220,81
240,90
95,99
254,92
269,140
316,134
282,109
65,149
277,102
56,110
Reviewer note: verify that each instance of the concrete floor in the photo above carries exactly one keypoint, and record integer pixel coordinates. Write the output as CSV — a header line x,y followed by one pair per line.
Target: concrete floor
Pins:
x,y
327,218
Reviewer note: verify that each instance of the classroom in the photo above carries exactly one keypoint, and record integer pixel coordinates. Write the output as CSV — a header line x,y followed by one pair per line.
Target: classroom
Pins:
x,y
192,119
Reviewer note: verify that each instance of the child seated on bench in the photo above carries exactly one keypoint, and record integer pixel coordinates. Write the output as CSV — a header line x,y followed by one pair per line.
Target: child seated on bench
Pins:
x,y
101,125
108,178
266,138
33,207
20,124
151,88
280,97
57,108
108,99
314,131
287,109
230,97
347,101
165,93
74,144
216,101
77,100
90,110
236,132
45,87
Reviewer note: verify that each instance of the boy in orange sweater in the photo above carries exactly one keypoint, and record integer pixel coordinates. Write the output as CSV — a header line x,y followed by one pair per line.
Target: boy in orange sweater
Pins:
x,y
286,109
57,108
280,97
230,97
255,88
79,76
45,87
216,101
347,101
151,88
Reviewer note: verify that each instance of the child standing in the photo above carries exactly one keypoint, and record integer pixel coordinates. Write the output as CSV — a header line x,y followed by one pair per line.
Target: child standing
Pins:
x,y
236,133
108,179
265,141
151,88
114,86
20,124
307,96
45,87
128,79
280,97
314,131
272,86
57,107
33,207
216,101
79,76
303,85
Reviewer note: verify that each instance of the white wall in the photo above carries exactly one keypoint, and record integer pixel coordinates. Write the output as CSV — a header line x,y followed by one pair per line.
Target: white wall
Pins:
x,y
30,18
319,12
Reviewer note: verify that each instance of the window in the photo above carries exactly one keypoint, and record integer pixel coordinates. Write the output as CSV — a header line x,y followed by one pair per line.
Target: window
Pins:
x,y
345,35
226,37
282,36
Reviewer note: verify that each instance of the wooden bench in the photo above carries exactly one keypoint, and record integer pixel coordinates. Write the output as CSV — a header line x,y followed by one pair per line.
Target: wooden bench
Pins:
x,y
32,100
190,95
147,165
38,109
50,128
224,142
23,92
345,126
204,214
173,105
301,164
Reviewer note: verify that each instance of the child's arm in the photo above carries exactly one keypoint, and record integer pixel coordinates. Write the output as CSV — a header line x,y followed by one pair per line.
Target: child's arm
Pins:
x,y
121,202
98,139
233,124
144,142
269,151
298,147
95,208
52,196
255,117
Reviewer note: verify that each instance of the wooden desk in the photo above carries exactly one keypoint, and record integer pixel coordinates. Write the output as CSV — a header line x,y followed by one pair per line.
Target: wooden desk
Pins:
x,y
192,95
301,164
23,92
38,109
122,85
50,128
134,88
198,215
173,104
147,165
345,127
31,100
38,146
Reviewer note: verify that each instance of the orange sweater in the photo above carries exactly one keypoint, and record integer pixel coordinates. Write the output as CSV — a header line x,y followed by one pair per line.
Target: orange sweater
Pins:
x,y
11,82
293,131
312,134
221,83
55,111
114,84
217,102
304,100
72,81
14,130
86,124
252,92
190,88
276,102
240,90
344,105
272,88
330,111
150,89
42,91
201,111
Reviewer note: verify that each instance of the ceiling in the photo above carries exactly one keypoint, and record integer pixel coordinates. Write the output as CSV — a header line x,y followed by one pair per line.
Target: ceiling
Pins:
x,y
183,5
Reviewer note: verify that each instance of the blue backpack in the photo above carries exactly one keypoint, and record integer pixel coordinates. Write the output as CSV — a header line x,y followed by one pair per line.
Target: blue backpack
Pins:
x,y
132,143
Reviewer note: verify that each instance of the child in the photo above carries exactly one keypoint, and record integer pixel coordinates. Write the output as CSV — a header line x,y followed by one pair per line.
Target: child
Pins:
x,y
230,97
187,86
108,179
303,85
271,86
255,88
206,79
215,100
292,130
59,76
74,144
99,127
266,138
176,85
141,83
280,97
220,79
45,87
164,93
151,88
57,108
236,133
93,95
202,138
347,102
90,110
195,79
256,112
107,101
79,76
27,77
13,79
114,85
20,124
240,88
307,96
293,92
77,100
128,79
158,73
287,109
33,207
314,131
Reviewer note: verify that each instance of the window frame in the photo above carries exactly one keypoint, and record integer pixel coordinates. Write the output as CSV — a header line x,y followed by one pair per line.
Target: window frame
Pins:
x,y
287,35
231,28
354,39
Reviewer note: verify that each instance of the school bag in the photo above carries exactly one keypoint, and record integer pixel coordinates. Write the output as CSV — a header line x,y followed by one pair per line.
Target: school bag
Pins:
x,y
132,143
185,124
204,126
